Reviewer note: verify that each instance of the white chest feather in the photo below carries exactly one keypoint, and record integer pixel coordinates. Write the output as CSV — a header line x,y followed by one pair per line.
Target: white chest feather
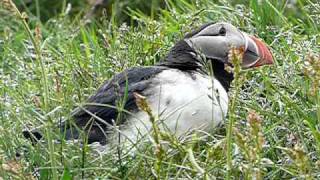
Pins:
x,y
181,102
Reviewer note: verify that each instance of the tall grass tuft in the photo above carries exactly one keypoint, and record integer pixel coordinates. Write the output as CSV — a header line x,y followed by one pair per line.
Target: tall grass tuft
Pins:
x,y
48,67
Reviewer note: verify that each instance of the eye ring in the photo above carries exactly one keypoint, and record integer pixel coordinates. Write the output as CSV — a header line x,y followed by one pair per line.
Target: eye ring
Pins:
x,y
222,31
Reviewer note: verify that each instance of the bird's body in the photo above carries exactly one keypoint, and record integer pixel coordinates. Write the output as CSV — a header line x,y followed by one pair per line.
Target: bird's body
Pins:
x,y
181,101
181,93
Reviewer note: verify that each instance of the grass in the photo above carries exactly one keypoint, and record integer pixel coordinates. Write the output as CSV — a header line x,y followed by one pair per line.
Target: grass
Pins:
x,y
44,74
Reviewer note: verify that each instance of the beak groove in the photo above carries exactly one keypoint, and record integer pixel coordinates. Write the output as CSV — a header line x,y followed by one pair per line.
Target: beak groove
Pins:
x,y
265,55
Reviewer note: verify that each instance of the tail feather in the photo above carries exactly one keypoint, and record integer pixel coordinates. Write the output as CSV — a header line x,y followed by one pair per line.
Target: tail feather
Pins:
x,y
69,132
33,135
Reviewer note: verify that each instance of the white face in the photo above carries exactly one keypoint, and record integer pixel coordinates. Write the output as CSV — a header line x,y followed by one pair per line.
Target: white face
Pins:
x,y
215,41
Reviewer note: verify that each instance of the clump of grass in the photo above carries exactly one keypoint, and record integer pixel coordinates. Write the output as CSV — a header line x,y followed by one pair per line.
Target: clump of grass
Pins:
x,y
36,39
77,58
300,160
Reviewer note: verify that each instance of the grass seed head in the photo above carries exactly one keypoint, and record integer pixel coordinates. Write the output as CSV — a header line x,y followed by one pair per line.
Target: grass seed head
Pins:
x,y
8,5
235,57
13,167
38,35
142,103
312,71
250,142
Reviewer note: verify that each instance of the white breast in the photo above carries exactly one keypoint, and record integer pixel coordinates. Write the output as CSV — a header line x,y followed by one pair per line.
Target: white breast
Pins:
x,y
181,102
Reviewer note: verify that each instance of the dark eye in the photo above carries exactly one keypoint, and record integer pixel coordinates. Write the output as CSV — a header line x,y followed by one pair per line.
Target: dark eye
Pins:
x,y
222,31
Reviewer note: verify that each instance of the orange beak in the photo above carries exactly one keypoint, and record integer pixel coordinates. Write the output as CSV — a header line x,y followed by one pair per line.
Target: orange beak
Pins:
x,y
265,55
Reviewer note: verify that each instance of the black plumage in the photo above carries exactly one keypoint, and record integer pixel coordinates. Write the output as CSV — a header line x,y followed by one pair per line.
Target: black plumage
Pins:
x,y
184,58
118,90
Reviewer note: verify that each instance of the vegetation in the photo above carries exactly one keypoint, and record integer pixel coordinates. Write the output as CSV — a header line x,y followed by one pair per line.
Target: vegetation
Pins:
x,y
48,67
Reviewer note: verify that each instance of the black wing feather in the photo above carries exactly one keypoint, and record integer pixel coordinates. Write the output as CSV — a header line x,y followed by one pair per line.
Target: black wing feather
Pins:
x,y
135,79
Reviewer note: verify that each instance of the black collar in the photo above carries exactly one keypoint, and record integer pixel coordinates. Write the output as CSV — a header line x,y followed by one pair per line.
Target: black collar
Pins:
x,y
184,58
180,57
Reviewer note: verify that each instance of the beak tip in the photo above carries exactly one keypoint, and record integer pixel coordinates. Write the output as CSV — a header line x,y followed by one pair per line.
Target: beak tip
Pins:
x,y
266,57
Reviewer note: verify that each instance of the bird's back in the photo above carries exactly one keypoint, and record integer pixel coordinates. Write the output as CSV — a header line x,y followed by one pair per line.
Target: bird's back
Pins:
x,y
110,105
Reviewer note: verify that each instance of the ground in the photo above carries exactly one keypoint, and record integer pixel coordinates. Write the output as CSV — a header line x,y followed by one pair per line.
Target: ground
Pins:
x,y
48,67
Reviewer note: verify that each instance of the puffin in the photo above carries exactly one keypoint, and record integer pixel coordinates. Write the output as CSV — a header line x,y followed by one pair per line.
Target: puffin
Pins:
x,y
179,91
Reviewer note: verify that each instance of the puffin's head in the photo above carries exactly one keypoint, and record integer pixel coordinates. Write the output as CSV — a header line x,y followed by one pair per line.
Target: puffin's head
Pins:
x,y
215,40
